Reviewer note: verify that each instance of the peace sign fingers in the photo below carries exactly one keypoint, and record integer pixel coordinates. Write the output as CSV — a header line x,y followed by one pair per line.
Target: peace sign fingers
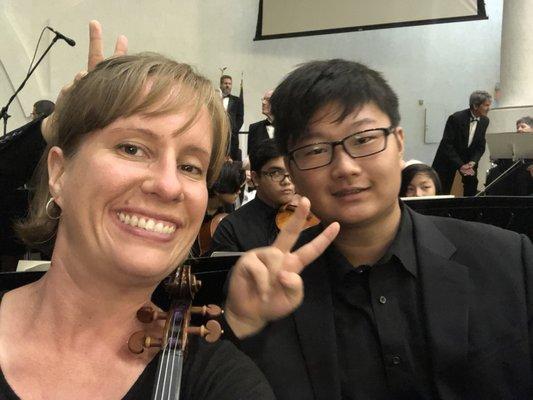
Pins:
x,y
96,45
312,250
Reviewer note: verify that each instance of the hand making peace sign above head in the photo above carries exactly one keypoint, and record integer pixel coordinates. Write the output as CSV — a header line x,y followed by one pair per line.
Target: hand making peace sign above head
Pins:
x,y
95,56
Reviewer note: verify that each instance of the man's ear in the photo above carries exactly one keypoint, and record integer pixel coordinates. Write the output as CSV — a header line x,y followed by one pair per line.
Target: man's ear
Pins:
x,y
56,168
253,177
287,163
398,134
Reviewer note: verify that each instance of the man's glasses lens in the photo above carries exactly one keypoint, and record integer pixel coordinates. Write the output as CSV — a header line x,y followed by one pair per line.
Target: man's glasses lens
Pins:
x,y
278,175
359,144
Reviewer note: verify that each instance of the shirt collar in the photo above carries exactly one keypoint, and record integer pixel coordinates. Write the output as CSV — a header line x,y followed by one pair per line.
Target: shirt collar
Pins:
x,y
403,245
402,248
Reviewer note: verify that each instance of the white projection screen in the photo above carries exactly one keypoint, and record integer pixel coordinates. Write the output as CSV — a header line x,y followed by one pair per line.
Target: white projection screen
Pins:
x,y
289,18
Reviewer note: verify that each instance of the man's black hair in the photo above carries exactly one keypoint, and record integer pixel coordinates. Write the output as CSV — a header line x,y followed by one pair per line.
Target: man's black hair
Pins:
x,y
264,152
230,180
43,108
525,120
316,84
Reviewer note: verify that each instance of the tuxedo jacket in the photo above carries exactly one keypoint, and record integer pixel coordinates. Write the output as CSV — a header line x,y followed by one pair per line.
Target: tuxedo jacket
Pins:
x,y
236,113
476,283
236,116
453,151
257,132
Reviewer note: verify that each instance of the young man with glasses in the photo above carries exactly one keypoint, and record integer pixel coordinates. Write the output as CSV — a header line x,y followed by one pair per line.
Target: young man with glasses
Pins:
x,y
254,224
400,305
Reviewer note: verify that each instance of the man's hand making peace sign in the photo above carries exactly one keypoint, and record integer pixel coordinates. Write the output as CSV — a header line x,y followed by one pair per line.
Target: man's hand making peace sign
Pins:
x,y
265,284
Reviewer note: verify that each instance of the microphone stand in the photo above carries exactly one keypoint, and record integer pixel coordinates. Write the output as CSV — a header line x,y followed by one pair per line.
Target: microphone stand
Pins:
x,y
3,113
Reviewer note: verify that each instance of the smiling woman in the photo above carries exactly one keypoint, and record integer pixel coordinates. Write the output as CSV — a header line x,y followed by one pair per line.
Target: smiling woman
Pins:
x,y
121,195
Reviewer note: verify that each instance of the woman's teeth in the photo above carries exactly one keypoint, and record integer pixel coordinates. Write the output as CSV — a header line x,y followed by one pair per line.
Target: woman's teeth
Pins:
x,y
147,224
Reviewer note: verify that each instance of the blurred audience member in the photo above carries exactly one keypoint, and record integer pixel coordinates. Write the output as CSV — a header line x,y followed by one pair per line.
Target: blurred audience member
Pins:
x,y
524,125
221,201
418,180
261,130
42,108
254,224
234,106
518,181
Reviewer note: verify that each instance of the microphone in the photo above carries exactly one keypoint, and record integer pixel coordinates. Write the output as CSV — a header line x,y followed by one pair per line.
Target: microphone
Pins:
x,y
61,36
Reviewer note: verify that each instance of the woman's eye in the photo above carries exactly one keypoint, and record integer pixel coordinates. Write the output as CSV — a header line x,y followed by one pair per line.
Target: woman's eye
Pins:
x,y
131,149
192,169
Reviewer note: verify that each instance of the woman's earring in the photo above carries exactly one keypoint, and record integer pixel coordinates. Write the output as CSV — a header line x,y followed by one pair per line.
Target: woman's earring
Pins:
x,y
50,205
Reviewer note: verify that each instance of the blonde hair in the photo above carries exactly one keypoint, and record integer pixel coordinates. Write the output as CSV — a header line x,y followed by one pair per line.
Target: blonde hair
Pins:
x,y
148,84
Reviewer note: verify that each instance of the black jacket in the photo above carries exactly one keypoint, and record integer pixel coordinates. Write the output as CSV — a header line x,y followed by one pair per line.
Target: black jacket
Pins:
x,y
476,283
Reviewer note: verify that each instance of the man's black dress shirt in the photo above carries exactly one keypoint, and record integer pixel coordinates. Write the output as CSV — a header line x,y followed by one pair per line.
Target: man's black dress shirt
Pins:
x,y
379,323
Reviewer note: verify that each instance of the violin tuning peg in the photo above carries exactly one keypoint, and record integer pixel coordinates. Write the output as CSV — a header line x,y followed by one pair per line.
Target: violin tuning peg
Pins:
x,y
147,314
212,310
140,341
196,284
211,331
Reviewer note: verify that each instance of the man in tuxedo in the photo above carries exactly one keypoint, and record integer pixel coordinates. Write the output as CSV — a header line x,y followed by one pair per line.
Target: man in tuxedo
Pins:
x,y
463,144
261,130
235,109
397,305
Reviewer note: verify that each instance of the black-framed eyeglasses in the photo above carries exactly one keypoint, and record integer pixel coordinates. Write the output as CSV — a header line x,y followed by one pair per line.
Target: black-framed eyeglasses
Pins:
x,y
359,144
278,175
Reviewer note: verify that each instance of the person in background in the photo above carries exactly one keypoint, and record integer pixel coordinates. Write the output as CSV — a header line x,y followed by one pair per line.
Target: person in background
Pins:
x,y
418,180
463,144
519,181
235,109
121,196
222,197
42,108
254,224
524,125
261,130
226,189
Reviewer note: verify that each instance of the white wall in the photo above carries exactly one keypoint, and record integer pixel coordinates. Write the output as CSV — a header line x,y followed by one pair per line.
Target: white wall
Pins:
x,y
439,64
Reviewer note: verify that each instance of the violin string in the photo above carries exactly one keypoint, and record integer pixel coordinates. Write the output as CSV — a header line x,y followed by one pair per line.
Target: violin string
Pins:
x,y
175,332
163,365
167,358
175,351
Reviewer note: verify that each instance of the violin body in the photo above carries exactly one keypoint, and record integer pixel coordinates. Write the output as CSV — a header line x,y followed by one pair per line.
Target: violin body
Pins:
x,y
207,230
285,213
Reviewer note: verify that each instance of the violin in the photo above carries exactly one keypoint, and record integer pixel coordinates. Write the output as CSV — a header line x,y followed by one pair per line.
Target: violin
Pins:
x,y
181,287
286,211
207,230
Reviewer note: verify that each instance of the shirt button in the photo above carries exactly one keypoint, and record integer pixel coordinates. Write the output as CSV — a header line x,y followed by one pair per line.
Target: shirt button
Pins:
x,y
382,299
396,360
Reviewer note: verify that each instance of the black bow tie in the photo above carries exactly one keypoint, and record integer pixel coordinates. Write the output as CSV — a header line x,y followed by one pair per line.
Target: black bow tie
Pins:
x,y
472,119
268,123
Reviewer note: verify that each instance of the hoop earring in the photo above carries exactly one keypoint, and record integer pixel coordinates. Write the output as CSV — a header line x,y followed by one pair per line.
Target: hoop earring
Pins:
x,y
49,203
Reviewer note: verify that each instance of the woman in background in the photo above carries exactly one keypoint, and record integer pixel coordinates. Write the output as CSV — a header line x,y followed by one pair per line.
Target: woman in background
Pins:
x,y
419,179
